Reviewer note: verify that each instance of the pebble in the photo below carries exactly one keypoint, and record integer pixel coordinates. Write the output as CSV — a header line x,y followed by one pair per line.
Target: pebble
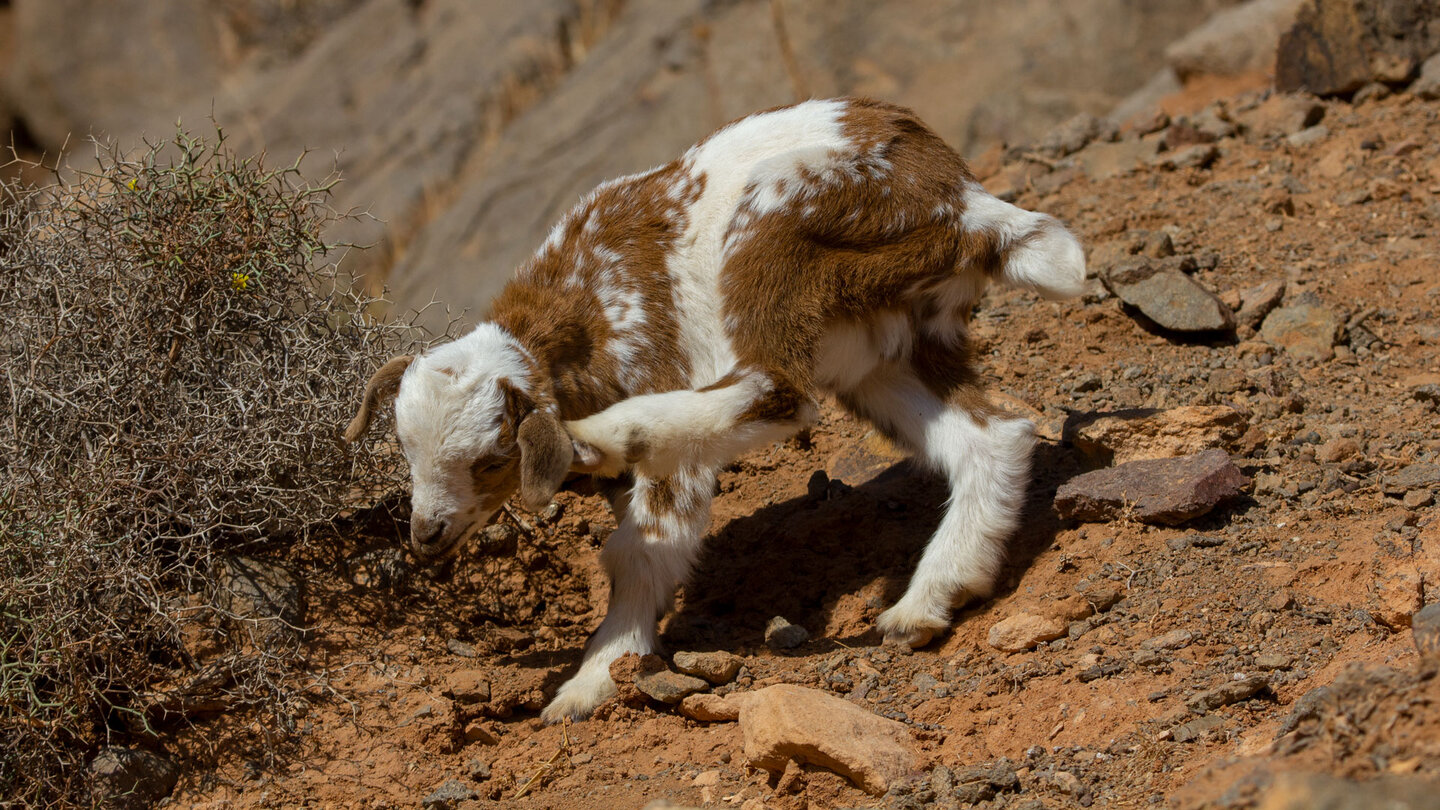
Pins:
x,y
718,667
1308,136
1272,661
1173,640
1024,631
1228,693
466,686
449,796
780,634
669,687
1195,729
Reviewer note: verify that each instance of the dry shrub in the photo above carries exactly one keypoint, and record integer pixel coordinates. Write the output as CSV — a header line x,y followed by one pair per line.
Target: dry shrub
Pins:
x,y
180,355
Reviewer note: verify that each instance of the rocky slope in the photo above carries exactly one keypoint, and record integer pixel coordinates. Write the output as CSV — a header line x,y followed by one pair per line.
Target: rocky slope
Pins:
x,y
1256,651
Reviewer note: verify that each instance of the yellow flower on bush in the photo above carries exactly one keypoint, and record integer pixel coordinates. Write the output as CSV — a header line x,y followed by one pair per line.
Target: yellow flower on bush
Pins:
x,y
239,281
130,184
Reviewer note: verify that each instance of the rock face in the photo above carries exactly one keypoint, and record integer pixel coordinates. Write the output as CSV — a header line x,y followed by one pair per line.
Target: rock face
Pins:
x,y
131,778
1168,297
1165,491
1338,46
787,722
1146,433
1236,40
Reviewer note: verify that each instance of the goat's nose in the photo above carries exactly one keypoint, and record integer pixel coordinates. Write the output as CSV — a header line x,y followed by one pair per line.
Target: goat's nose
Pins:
x,y
426,533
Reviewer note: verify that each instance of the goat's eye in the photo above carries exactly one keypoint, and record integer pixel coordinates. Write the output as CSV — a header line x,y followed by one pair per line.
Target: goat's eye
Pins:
x,y
484,466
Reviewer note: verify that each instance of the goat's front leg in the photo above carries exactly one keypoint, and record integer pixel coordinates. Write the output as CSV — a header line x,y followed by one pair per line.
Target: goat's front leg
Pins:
x,y
646,557
657,434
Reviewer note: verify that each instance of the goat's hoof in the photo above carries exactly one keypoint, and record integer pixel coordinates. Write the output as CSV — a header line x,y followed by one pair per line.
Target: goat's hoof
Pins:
x,y
577,700
915,639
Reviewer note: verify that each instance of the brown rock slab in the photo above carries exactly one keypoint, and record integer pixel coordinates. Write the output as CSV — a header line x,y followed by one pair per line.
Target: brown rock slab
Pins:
x,y
669,687
710,708
1147,433
864,460
1102,160
1398,598
785,722
1164,491
1411,477
1228,692
1024,631
1168,297
1258,301
1283,114
717,667
466,687
1337,47
1303,330
1173,640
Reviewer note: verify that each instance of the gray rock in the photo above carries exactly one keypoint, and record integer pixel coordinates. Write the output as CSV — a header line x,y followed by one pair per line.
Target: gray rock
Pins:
x,y
1258,301
477,769
1427,85
669,687
717,667
1198,156
979,783
1318,791
1164,491
1168,297
1235,40
380,568
1271,661
1104,160
130,778
1308,136
1228,693
1071,136
1303,330
1411,477
254,590
780,634
1282,115
449,796
1173,640
1195,729
1425,629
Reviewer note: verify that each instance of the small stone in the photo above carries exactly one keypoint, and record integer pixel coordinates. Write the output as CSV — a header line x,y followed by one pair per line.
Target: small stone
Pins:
x,y
461,648
780,634
1228,693
786,722
131,778
669,687
1147,658
1398,598
629,668
1163,491
1303,330
1411,477
710,708
1199,156
1101,161
718,667
1173,640
1142,433
1425,630
1023,631
449,796
980,783
1195,729
1258,301
466,687
1283,114
1308,136
1427,85
1417,499
478,770
477,732
1167,296
1071,136
1272,661
1104,595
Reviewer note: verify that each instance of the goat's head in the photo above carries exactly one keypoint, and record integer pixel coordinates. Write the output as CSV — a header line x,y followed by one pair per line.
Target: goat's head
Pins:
x,y
473,431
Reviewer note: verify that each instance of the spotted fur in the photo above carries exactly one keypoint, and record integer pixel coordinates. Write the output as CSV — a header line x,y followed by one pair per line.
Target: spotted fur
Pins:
x,y
675,319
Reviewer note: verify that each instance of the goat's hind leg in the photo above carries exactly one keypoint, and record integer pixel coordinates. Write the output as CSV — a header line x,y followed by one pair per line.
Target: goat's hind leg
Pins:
x,y
646,558
985,458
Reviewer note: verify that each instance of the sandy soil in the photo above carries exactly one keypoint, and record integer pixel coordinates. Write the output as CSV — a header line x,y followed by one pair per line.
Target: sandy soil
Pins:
x,y
1308,580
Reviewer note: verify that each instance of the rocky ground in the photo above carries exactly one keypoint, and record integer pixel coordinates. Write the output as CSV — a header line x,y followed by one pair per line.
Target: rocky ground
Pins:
x,y
1230,630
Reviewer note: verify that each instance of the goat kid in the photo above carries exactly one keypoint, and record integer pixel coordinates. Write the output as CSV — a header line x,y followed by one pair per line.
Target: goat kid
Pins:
x,y
677,318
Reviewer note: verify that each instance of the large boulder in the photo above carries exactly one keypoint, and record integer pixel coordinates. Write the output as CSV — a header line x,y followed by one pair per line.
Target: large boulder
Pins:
x,y
1336,47
1236,40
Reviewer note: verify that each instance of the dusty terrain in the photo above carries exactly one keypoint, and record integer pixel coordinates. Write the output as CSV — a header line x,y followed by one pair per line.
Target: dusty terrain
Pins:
x,y
1309,581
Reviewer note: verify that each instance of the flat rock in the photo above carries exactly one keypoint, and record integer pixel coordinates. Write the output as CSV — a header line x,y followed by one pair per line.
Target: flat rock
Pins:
x,y
1411,477
780,634
466,686
1101,160
1168,297
1258,301
1427,84
787,722
717,667
1228,692
449,796
669,687
1398,598
1164,491
1173,640
864,460
710,708
1318,791
1195,729
1024,631
628,669
1147,433
1283,114
1303,330
131,778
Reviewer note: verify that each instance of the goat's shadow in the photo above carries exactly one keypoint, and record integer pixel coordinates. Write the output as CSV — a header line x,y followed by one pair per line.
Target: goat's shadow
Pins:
x,y
838,556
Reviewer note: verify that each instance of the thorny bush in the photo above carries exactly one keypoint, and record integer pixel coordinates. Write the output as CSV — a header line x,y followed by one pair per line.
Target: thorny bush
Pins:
x,y
180,353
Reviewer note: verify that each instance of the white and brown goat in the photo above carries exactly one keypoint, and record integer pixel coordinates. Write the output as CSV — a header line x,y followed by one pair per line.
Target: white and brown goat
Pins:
x,y
677,318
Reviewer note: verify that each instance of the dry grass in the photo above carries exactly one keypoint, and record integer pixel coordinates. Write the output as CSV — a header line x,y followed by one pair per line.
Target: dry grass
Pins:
x,y
180,355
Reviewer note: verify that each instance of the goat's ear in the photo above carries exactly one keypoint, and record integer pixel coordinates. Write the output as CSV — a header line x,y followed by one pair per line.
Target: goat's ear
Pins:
x,y
382,386
545,456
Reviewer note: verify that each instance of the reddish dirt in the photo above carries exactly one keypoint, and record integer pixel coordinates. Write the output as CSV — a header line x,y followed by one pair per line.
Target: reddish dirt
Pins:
x,y
1310,570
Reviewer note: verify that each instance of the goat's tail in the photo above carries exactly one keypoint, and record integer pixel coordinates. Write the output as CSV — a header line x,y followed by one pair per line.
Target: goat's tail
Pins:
x,y
1036,252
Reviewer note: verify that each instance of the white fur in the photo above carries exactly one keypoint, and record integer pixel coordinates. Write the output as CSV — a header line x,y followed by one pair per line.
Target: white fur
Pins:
x,y
1051,261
